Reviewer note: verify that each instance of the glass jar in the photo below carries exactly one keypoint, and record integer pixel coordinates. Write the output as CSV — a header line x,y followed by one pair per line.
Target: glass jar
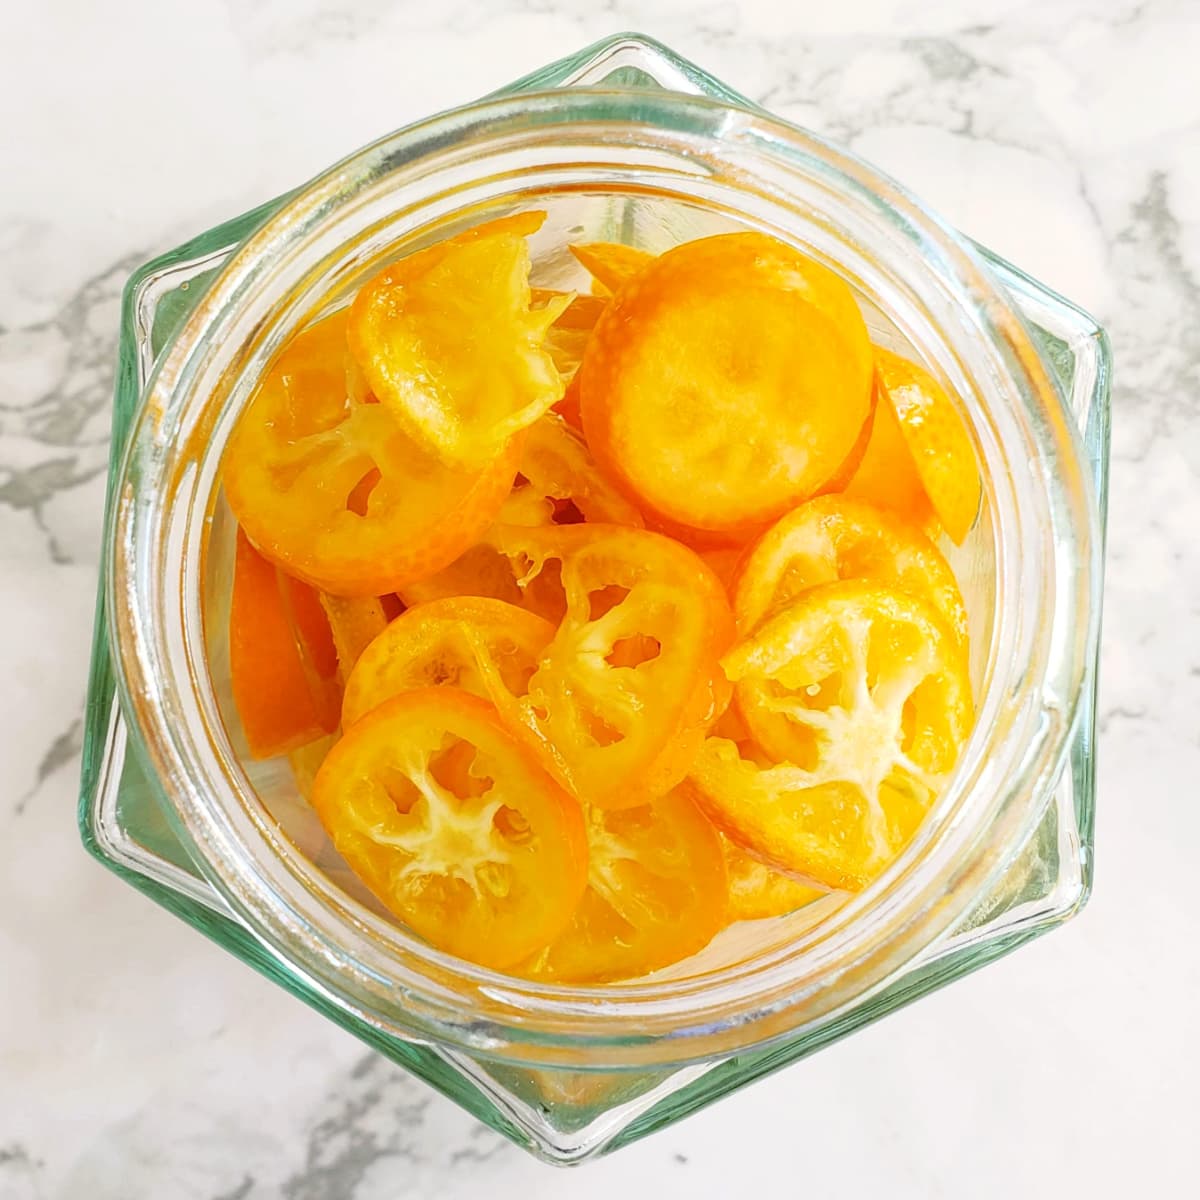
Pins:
x,y
628,142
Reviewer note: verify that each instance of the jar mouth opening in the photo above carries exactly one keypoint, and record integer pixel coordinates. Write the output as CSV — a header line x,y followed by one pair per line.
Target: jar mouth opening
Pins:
x,y
760,173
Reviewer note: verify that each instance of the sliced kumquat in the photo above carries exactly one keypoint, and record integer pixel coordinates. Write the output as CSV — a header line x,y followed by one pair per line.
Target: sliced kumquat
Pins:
x,y
591,624
887,476
281,658
859,698
831,538
727,382
409,328
656,894
525,565
455,826
937,440
480,645
624,692
849,667
853,461
335,493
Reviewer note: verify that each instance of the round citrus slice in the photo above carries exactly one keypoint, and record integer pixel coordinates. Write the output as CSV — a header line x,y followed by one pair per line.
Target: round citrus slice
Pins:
x,y
623,694
726,382
831,538
455,826
937,440
656,894
859,699
334,492
448,342
469,642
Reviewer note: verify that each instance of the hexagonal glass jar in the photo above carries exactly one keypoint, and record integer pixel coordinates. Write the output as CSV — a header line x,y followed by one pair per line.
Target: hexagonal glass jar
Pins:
x,y
623,141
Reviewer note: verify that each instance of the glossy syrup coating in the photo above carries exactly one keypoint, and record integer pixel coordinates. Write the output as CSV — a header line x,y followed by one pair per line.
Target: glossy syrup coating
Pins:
x,y
625,601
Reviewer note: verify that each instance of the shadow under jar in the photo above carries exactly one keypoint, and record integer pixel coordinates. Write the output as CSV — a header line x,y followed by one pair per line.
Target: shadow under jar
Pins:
x,y
171,800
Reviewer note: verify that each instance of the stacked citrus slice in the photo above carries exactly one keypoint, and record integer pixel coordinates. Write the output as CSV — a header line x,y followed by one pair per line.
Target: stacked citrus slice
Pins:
x,y
593,623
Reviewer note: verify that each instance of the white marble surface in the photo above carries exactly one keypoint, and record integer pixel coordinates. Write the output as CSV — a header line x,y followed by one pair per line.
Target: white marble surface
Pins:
x,y
137,1060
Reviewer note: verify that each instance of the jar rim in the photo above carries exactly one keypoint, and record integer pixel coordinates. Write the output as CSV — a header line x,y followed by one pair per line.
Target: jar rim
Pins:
x,y
1044,524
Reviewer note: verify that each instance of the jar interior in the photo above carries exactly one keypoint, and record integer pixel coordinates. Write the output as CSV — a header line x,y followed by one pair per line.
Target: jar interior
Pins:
x,y
650,219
